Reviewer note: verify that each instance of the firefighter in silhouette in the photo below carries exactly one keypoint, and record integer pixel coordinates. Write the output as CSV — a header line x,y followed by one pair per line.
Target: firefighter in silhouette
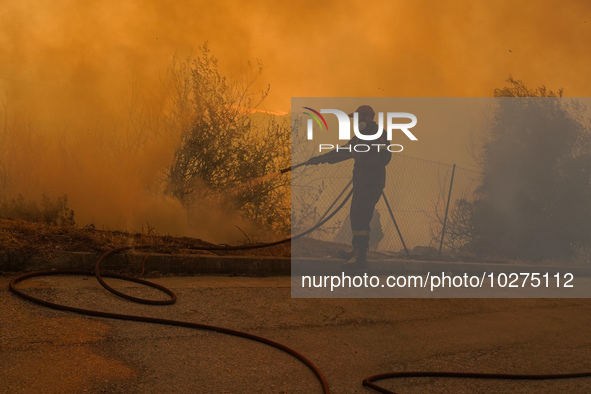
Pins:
x,y
369,179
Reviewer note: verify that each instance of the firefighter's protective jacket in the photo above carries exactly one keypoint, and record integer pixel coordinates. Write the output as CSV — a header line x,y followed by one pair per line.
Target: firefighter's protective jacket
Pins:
x,y
370,167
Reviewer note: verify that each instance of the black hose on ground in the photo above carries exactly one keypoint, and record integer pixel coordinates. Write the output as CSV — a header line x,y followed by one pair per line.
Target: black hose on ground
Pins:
x,y
172,296
169,322
367,382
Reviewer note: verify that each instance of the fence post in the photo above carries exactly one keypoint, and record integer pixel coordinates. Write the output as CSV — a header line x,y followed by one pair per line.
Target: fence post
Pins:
x,y
395,224
451,183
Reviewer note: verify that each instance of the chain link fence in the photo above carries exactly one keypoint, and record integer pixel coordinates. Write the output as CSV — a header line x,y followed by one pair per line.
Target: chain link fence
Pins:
x,y
427,199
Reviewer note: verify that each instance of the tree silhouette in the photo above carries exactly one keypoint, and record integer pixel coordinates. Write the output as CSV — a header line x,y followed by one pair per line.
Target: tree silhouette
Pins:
x,y
225,143
535,197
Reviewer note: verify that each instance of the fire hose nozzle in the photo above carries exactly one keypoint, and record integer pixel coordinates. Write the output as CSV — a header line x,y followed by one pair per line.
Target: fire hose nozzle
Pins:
x,y
283,171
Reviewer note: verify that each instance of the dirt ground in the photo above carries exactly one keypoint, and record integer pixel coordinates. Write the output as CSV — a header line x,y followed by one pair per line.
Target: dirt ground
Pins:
x,y
43,240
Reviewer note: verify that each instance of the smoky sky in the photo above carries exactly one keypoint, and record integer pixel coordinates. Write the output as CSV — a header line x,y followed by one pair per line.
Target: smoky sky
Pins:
x,y
63,50
73,73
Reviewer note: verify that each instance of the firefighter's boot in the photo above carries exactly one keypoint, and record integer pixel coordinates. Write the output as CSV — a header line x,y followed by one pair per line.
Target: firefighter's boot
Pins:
x,y
358,261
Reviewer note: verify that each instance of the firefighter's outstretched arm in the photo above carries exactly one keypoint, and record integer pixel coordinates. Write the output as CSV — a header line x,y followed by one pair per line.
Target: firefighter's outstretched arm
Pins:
x,y
334,156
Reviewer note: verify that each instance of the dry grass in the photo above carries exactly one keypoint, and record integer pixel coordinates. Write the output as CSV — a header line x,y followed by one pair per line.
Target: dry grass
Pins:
x,y
38,239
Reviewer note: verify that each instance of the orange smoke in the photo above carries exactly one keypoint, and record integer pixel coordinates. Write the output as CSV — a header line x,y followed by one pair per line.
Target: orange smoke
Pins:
x,y
83,85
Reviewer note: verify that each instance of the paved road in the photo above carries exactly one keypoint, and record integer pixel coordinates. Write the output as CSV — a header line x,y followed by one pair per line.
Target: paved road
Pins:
x,y
49,351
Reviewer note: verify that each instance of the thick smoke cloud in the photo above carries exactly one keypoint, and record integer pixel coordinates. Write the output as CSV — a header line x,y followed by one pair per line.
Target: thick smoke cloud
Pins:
x,y
82,83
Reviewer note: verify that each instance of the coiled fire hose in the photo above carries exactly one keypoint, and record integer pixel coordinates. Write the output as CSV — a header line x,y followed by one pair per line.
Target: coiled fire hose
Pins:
x,y
367,382
172,296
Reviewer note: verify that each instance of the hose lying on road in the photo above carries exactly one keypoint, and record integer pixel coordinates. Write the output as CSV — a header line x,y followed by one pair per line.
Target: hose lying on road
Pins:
x,y
169,322
368,382
172,296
